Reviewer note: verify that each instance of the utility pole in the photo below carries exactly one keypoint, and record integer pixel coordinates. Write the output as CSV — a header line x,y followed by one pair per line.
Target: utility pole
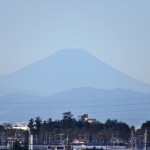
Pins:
x,y
67,142
117,139
145,140
49,138
132,137
30,141
46,137
135,144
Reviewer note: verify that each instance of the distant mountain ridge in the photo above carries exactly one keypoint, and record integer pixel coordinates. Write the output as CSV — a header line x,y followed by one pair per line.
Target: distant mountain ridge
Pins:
x,y
90,93
76,81
67,69
124,105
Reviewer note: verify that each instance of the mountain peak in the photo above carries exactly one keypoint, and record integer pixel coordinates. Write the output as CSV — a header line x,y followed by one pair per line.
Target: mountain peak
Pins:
x,y
71,50
71,54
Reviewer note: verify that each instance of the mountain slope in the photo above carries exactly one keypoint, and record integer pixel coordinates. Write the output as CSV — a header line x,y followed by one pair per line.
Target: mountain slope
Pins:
x,y
68,69
124,105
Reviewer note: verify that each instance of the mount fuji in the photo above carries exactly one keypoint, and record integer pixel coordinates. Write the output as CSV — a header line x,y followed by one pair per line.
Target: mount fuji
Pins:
x,y
67,69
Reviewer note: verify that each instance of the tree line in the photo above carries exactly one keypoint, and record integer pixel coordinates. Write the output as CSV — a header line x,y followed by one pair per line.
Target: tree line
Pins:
x,y
68,128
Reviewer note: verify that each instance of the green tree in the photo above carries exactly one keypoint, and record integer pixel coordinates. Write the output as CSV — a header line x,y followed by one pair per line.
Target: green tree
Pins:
x,y
68,121
67,115
31,125
38,125
146,125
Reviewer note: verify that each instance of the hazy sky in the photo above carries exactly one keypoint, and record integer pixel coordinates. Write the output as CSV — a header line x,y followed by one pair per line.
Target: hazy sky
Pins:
x,y
116,31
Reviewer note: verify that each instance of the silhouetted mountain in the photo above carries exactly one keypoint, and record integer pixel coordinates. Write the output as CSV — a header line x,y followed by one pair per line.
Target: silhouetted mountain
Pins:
x,y
67,69
81,76
125,105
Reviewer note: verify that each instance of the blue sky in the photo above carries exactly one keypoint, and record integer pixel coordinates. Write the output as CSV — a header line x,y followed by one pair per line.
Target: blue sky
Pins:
x,y
115,31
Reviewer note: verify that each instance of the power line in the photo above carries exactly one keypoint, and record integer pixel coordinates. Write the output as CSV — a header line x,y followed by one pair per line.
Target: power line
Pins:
x,y
75,101
119,111
132,104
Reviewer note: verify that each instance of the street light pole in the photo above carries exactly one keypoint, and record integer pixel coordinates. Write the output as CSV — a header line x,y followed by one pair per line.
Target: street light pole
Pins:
x,y
30,140
145,140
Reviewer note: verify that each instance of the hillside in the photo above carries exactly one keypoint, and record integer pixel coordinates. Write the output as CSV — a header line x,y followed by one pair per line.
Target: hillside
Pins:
x,y
125,105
